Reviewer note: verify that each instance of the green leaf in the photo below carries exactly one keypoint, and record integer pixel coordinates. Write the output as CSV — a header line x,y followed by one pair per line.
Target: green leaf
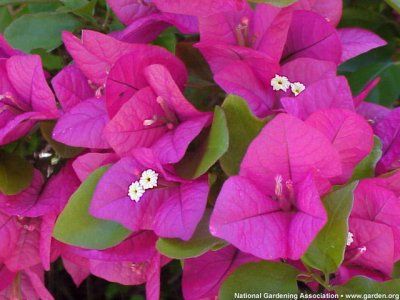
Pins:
x,y
396,270
280,3
75,4
209,150
46,128
366,168
50,61
15,173
364,286
243,127
41,30
200,243
326,252
387,90
83,9
194,61
7,2
43,7
167,39
395,4
365,18
75,226
262,277
5,18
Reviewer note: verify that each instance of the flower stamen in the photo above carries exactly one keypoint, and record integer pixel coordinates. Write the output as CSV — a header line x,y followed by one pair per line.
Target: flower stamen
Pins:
x,y
136,191
149,179
280,83
242,32
297,88
169,114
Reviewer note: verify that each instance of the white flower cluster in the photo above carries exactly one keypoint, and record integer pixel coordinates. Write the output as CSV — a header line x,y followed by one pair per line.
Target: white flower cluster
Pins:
x,y
282,83
148,180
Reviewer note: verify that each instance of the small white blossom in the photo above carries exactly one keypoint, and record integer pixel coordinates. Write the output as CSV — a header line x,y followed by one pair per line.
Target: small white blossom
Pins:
x,y
136,191
149,179
44,155
297,88
280,83
362,249
350,238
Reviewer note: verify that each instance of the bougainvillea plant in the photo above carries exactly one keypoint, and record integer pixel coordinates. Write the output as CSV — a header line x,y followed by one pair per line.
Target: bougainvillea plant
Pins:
x,y
199,149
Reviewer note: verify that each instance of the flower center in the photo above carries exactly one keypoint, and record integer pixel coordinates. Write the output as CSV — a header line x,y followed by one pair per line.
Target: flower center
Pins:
x,y
297,88
357,253
284,194
242,32
169,120
148,180
135,191
8,102
280,83
26,223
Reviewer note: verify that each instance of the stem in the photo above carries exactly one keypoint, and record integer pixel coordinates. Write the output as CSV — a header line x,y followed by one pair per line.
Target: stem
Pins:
x,y
107,17
317,278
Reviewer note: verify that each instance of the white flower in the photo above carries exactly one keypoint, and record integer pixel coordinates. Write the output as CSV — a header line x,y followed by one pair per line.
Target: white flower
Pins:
x,y
136,191
350,238
280,83
297,88
149,179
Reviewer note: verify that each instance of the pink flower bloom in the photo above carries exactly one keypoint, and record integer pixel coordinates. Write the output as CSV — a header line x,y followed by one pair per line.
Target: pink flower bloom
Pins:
x,y
356,41
333,92
71,87
40,199
244,47
282,175
19,238
86,164
145,22
23,202
244,72
387,129
203,276
128,75
160,118
331,10
26,284
30,236
375,228
95,53
349,134
83,125
265,29
85,113
25,96
172,209
198,7
310,35
122,66
133,262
